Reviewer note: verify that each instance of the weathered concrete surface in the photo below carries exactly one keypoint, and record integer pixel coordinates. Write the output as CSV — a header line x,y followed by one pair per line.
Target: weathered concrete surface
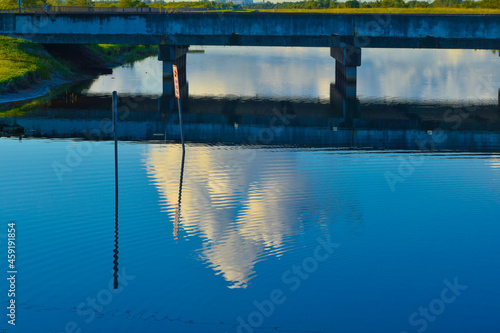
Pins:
x,y
171,53
346,60
260,29
349,56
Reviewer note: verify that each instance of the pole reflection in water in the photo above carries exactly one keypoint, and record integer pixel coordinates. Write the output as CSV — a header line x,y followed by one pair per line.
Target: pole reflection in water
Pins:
x,y
178,208
115,251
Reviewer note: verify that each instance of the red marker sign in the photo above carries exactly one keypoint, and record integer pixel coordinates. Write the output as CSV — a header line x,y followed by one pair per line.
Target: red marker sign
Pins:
x,y
176,81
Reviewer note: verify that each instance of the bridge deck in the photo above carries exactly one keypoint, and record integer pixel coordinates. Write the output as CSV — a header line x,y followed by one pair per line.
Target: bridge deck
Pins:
x,y
259,29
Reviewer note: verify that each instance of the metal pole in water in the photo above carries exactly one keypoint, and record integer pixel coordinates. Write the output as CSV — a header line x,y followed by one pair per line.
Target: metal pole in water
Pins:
x,y
116,145
180,122
115,251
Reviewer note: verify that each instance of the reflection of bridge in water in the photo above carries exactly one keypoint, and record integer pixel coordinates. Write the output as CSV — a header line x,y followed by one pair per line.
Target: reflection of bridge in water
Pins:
x,y
343,123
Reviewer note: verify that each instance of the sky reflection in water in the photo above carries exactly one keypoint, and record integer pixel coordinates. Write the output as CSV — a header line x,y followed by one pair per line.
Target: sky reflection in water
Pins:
x,y
249,214
413,74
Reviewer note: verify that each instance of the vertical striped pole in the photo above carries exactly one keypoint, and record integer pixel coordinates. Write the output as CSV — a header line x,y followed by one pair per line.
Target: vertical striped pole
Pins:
x,y
178,96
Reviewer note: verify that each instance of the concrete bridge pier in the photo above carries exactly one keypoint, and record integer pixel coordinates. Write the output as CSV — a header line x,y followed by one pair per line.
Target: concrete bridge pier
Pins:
x,y
343,92
347,59
172,55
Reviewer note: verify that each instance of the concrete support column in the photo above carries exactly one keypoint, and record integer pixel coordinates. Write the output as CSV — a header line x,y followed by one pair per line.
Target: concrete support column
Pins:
x,y
171,52
172,55
345,79
343,92
347,59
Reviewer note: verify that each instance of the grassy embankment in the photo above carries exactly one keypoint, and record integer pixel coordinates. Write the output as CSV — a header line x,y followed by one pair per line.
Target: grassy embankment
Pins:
x,y
123,53
23,63
334,7
426,11
415,10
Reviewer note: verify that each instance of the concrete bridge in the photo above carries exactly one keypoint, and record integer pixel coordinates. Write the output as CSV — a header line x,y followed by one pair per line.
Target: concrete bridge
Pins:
x,y
259,29
344,34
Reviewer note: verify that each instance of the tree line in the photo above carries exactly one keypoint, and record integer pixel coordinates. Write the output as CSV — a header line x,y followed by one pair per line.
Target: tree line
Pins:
x,y
324,4
12,4
306,4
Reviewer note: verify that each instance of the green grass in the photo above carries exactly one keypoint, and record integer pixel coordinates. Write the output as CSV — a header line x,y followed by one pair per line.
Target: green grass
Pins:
x,y
22,63
443,10
414,10
125,53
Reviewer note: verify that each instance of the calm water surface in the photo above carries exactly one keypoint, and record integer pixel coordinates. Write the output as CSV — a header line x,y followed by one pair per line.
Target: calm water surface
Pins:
x,y
285,214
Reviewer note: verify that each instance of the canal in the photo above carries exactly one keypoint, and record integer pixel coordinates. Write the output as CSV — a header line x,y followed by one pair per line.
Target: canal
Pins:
x,y
288,212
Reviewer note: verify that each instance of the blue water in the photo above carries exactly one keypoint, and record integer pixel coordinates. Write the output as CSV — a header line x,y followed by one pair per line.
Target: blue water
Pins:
x,y
254,237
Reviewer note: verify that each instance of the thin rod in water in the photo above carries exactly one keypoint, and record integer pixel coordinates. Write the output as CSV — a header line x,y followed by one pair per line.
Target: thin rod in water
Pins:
x,y
115,251
180,121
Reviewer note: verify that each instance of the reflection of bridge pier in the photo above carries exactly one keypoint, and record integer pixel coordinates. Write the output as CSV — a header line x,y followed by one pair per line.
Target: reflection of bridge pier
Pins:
x,y
350,107
172,55
343,92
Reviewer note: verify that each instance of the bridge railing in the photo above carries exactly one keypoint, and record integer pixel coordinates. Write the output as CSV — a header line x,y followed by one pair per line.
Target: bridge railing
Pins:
x,y
96,10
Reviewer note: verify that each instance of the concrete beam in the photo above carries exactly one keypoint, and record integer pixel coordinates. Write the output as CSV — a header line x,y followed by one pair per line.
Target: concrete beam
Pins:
x,y
245,40
259,29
